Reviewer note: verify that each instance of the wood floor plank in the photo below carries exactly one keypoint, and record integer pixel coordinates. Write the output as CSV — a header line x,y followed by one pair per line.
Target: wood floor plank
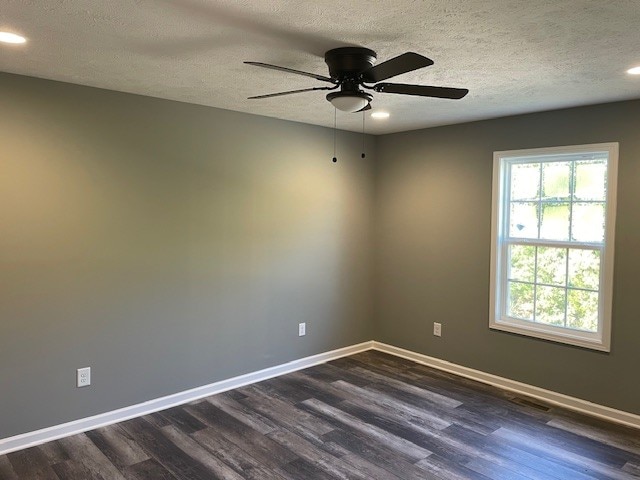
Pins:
x,y
298,421
466,387
303,389
118,447
148,470
620,437
384,363
302,468
495,471
177,416
433,441
54,452
6,469
498,457
447,470
199,453
377,453
250,417
81,450
428,395
46,473
345,420
470,392
262,448
369,470
326,462
476,395
345,363
381,403
525,461
483,424
165,452
157,420
284,391
31,463
632,469
312,383
589,465
577,444
237,458
27,462
284,412
73,470
328,373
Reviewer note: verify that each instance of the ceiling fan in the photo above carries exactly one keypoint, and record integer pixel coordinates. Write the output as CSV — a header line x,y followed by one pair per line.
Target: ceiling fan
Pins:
x,y
351,68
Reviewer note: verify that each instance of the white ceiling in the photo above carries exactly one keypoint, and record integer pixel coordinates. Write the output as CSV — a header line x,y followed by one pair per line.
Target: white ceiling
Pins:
x,y
514,56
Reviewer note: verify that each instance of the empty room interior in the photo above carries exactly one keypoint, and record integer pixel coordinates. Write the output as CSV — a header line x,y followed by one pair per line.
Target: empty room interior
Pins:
x,y
319,240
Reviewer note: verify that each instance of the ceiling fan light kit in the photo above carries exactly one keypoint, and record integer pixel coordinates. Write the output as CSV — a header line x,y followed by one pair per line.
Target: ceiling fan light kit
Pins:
x,y
352,69
350,101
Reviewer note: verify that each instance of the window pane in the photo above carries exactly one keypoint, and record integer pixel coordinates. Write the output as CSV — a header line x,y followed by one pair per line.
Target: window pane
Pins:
x,y
584,268
520,301
591,180
582,310
588,222
524,220
550,305
522,263
525,181
555,221
552,266
555,180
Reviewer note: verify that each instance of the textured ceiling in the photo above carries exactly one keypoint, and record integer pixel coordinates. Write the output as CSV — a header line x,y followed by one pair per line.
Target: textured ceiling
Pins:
x,y
514,56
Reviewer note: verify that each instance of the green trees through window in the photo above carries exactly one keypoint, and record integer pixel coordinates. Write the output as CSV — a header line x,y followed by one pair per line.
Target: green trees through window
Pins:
x,y
558,286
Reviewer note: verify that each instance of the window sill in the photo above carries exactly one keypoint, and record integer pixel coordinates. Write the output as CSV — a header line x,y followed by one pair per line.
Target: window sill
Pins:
x,y
551,334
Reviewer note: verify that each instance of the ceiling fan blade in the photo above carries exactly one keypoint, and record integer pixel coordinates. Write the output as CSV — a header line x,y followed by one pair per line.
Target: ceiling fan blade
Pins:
x,y
279,94
291,70
407,62
421,90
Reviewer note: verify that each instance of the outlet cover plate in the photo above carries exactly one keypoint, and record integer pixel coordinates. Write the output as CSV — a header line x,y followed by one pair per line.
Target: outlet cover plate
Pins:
x,y
437,329
84,377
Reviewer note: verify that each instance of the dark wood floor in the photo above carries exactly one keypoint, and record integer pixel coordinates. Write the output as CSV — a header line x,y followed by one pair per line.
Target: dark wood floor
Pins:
x,y
369,416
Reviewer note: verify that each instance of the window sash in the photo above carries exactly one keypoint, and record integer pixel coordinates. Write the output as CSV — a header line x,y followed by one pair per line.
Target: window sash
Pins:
x,y
504,284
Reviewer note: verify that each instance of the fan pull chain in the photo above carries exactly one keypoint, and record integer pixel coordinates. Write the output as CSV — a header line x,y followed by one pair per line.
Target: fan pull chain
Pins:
x,y
335,114
363,155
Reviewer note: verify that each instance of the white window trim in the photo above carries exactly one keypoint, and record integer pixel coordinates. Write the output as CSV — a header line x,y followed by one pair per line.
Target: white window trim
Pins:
x,y
597,341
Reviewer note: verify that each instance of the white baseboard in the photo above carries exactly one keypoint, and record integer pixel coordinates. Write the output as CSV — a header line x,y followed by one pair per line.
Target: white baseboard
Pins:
x,y
37,437
548,396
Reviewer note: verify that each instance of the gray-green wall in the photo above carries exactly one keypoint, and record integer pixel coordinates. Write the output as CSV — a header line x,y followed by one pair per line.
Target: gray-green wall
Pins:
x,y
167,246
433,219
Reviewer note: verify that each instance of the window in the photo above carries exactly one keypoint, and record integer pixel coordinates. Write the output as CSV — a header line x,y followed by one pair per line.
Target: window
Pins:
x,y
552,243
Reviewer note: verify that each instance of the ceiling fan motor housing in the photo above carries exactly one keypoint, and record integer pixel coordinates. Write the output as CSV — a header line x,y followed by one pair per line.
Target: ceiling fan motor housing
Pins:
x,y
349,62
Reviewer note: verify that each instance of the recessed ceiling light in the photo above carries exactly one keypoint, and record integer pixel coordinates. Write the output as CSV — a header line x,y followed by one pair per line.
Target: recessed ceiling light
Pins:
x,y
380,115
8,37
634,71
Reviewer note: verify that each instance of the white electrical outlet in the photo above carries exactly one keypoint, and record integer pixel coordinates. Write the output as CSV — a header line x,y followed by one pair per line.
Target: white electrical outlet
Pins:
x,y
84,377
302,329
437,329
